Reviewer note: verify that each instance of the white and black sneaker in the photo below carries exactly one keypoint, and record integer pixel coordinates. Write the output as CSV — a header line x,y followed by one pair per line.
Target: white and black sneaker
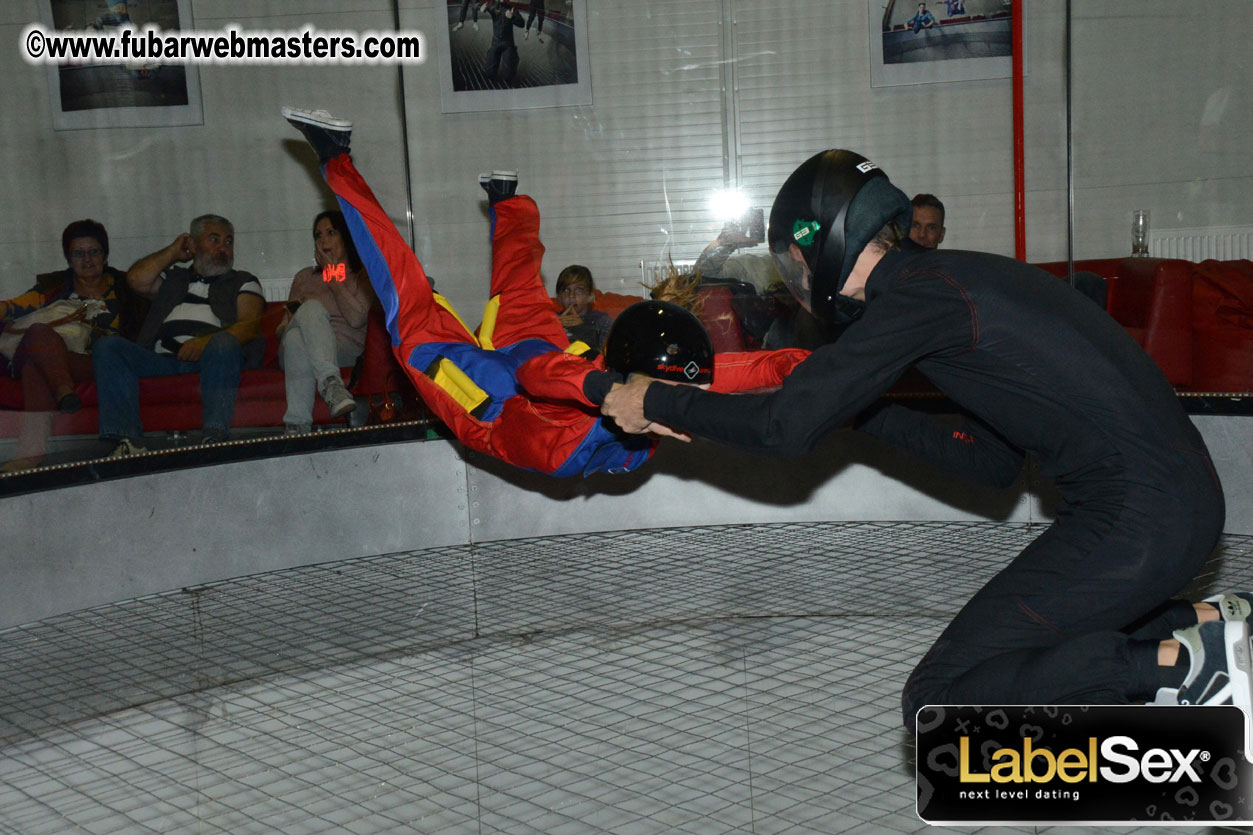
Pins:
x,y
337,397
328,135
1220,669
1232,605
499,185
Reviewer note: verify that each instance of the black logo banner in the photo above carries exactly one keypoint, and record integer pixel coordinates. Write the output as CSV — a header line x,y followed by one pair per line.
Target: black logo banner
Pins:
x,y
1083,764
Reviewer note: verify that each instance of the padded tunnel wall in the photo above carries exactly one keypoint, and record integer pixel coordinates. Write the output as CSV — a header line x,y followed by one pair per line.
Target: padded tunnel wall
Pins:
x,y
89,545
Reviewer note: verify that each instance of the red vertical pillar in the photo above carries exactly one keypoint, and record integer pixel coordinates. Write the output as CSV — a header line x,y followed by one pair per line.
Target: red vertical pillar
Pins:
x,y
1020,186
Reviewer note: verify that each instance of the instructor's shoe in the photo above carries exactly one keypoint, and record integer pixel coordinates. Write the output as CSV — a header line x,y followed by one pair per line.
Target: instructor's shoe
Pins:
x,y
1232,605
499,185
328,135
1220,671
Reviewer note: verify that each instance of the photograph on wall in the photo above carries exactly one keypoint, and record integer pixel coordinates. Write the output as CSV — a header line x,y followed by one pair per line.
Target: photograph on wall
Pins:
x,y
503,55
110,94
946,40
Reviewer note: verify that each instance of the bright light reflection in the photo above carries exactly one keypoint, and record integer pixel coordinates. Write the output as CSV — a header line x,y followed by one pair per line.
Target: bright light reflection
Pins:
x,y
728,204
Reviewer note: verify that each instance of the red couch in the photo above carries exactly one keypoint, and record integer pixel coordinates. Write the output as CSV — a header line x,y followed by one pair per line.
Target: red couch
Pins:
x,y
1194,320
173,403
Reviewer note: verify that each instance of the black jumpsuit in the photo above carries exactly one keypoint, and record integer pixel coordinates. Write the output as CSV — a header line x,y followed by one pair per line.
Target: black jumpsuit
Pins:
x,y
1043,371
501,61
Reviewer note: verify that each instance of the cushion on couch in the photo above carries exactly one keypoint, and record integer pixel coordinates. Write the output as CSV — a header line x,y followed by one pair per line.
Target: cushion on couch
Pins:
x,y
1222,322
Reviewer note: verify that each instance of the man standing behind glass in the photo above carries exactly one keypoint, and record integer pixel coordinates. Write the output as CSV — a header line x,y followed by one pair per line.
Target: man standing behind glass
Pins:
x,y
927,227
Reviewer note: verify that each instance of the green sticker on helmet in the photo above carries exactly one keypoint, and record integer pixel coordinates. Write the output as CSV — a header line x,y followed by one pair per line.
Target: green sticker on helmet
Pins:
x,y
805,231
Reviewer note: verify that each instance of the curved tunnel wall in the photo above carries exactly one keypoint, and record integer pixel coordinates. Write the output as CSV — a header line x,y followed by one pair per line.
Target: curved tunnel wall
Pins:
x,y
94,544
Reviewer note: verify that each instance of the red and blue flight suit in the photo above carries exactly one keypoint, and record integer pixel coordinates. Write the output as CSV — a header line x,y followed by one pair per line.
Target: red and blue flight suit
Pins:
x,y
515,391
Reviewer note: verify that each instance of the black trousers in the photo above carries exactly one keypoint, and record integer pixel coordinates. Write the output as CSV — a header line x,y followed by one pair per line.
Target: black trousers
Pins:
x,y
1055,626
501,62
537,12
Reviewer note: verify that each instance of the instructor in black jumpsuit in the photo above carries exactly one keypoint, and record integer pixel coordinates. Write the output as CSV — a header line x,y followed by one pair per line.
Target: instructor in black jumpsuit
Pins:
x,y
1083,615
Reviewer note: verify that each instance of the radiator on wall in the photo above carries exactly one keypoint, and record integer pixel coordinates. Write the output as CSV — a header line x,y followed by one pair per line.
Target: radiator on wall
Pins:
x,y
652,272
1224,243
276,289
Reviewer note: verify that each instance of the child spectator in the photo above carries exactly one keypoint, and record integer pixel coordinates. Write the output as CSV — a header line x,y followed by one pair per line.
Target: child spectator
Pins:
x,y
576,291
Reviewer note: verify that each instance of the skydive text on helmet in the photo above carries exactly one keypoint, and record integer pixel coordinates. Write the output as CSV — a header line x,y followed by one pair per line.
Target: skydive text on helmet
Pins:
x,y
1039,765
690,370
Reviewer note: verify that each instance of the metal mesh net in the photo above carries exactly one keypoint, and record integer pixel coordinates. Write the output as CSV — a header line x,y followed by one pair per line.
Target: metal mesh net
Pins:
x,y
709,679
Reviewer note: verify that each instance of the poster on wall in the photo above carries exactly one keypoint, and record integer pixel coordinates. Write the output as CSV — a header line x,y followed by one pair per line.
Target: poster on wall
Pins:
x,y
946,40
105,94
502,55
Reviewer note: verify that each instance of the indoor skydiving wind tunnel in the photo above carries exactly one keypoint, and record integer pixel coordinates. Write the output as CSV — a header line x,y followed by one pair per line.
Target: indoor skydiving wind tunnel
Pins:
x,y
363,626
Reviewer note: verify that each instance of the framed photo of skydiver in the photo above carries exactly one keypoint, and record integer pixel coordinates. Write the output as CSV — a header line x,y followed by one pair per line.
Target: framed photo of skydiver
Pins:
x,y
103,94
512,54
913,42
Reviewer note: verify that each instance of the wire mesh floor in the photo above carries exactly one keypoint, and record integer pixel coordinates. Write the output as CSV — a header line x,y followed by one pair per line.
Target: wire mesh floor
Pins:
x,y
701,680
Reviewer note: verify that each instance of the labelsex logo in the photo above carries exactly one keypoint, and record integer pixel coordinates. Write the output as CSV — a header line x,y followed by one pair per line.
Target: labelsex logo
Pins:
x,y
1039,765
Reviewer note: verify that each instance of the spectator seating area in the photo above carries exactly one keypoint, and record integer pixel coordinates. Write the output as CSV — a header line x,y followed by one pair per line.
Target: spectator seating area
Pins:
x,y
1194,319
173,403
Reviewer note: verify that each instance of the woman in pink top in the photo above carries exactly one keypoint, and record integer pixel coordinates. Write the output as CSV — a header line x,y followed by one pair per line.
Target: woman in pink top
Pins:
x,y
324,327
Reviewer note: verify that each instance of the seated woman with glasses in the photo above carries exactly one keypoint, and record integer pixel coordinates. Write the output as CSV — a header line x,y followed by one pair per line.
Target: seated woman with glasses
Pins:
x,y
48,369
576,292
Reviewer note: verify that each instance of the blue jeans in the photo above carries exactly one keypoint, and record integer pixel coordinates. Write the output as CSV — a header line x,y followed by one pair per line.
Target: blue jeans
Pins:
x,y
119,363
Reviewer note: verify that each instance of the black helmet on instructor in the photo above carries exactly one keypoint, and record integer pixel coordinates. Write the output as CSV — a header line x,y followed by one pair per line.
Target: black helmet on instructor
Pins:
x,y
661,340
827,211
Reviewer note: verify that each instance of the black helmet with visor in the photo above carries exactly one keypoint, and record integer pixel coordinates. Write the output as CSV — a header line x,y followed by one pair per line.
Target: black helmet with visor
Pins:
x,y
830,207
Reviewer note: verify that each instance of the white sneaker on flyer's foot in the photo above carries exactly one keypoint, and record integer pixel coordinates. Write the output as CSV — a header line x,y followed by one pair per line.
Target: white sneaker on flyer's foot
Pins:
x,y
319,118
459,25
328,135
499,185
